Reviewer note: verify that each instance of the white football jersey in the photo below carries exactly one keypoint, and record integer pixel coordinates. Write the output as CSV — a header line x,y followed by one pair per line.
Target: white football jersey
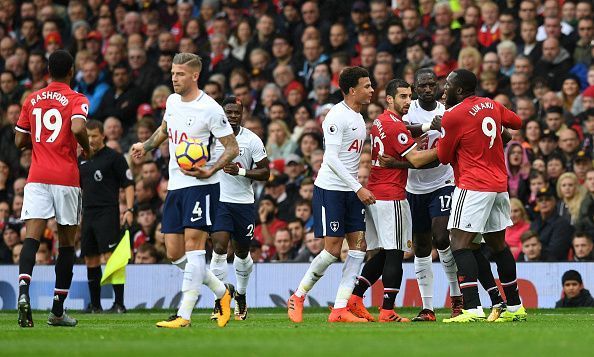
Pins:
x,y
238,189
345,127
428,180
202,119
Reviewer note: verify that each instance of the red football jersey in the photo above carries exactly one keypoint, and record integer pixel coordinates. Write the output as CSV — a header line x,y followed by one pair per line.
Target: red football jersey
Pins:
x,y
389,136
471,142
46,116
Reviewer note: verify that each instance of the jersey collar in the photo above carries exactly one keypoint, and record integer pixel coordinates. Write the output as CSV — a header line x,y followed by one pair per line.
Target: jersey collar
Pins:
x,y
392,115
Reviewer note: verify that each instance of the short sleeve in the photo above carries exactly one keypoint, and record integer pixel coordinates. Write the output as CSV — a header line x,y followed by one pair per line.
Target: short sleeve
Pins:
x,y
24,124
219,124
509,119
257,148
167,104
402,141
333,130
80,108
123,172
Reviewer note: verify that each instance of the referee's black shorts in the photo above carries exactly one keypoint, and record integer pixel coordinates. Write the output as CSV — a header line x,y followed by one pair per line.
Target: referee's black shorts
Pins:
x,y
100,230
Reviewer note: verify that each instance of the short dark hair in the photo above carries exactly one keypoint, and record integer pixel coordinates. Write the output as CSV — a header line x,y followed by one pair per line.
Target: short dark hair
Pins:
x,y
297,220
528,235
580,234
231,99
571,275
555,109
279,103
121,65
269,198
349,78
421,71
303,202
60,64
93,124
394,84
145,206
466,80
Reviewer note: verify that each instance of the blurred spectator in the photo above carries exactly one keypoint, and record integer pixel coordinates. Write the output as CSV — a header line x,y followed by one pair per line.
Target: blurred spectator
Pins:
x,y
268,224
10,238
312,247
554,232
256,251
279,142
146,254
123,98
146,220
16,253
518,169
574,293
92,87
44,253
585,220
283,246
532,250
303,211
284,199
521,224
582,247
10,90
570,194
297,231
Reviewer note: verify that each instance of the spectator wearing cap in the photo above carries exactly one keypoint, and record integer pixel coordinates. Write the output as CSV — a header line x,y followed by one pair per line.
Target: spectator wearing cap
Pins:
x,y
548,144
52,42
94,45
321,92
574,292
587,100
294,169
295,93
80,30
555,232
583,247
123,98
268,224
284,198
582,163
532,250
91,86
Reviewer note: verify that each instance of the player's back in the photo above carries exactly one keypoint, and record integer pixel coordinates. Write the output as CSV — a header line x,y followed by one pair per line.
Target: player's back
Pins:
x,y
346,128
472,142
427,180
389,136
47,115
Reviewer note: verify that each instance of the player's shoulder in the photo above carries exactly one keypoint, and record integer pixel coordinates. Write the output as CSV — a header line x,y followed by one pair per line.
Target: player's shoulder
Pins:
x,y
250,135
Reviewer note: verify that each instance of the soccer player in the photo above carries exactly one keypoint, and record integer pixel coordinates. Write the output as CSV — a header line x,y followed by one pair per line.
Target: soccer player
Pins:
x,y
339,199
429,193
192,197
389,219
471,142
236,212
52,121
101,178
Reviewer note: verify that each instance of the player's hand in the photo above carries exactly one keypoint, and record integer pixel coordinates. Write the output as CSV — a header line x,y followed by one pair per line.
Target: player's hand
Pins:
x,y
423,141
263,214
366,196
198,172
127,218
137,151
231,169
436,123
386,161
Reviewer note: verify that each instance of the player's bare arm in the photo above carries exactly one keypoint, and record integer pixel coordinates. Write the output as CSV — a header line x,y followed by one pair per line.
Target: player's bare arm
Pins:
x,y
22,140
79,129
420,158
129,215
260,173
417,130
391,163
158,137
231,151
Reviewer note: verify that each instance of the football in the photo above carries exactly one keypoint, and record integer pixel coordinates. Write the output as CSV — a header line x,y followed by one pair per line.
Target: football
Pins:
x,y
191,153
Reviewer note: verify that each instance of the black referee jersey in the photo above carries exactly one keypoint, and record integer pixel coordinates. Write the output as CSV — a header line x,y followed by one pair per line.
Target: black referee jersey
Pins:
x,y
102,177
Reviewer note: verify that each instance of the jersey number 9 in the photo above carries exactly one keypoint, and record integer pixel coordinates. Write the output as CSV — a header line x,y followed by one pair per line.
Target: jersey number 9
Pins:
x,y
490,129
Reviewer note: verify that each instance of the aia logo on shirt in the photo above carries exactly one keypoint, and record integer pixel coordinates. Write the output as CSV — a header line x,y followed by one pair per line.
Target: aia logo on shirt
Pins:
x,y
357,146
176,137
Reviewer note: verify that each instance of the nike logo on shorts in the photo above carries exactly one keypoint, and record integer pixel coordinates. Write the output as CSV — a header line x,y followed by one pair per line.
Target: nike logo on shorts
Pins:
x,y
111,245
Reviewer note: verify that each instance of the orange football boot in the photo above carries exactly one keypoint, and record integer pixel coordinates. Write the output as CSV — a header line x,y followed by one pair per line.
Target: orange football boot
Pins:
x,y
391,316
295,308
344,315
358,309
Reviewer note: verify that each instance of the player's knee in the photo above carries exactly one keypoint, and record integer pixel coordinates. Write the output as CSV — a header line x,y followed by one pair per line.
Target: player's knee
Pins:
x,y
92,261
442,240
422,246
242,252
219,248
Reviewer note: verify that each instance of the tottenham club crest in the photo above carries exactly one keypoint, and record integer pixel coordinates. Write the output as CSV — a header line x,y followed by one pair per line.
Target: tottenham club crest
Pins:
x,y
241,151
334,226
98,176
190,121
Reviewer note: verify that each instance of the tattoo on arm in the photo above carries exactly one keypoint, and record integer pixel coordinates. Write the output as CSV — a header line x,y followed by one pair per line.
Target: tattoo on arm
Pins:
x,y
231,151
157,138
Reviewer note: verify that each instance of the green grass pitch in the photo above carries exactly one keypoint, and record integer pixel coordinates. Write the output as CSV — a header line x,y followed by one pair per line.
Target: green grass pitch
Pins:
x,y
267,332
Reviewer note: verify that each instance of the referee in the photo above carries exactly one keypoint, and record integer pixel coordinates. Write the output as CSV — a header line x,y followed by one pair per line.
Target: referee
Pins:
x,y
101,180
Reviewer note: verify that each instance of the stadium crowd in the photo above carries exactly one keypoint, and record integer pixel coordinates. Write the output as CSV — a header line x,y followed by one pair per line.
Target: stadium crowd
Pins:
x,y
282,58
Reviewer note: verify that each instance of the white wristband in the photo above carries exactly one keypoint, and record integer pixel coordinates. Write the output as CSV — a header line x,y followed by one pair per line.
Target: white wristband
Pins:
x,y
426,127
242,171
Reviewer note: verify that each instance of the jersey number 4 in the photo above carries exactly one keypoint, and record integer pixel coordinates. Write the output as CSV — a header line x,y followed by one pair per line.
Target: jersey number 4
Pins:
x,y
51,120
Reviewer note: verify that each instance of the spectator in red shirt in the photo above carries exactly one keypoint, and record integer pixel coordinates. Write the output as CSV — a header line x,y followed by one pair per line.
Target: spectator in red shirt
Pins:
x,y
489,32
268,224
520,225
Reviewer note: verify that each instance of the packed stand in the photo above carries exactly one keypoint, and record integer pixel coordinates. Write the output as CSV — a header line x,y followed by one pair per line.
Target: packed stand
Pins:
x,y
282,60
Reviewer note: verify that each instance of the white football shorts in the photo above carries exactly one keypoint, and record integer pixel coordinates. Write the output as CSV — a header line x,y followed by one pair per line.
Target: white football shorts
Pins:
x,y
388,225
44,201
480,212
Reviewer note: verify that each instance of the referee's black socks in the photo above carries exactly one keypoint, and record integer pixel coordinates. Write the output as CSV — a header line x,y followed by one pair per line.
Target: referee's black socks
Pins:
x,y
64,265
467,277
118,290
26,264
94,276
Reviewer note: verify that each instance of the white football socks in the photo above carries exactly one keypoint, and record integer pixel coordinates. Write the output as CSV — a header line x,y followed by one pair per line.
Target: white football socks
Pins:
x,y
424,273
180,263
193,278
218,266
316,270
350,271
451,270
243,269
214,284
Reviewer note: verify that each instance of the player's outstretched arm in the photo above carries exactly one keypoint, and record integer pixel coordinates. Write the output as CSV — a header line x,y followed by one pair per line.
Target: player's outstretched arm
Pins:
x,y
417,130
260,173
390,162
79,129
420,158
158,137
